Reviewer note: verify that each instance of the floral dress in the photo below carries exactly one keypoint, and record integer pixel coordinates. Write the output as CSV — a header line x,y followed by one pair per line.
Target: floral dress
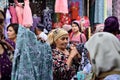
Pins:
x,y
60,68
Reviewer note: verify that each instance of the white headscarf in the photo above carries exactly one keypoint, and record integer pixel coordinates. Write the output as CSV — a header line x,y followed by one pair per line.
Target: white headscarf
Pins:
x,y
104,49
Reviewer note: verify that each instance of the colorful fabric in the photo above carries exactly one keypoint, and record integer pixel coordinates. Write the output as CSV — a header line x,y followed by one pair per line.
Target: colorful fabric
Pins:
x,y
3,4
112,77
32,59
60,68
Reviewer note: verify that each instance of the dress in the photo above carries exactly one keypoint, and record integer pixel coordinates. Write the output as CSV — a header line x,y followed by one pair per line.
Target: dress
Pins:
x,y
5,66
60,68
61,6
27,15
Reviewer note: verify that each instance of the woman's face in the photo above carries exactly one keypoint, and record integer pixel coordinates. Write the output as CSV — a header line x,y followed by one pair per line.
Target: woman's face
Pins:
x,y
62,42
75,28
11,33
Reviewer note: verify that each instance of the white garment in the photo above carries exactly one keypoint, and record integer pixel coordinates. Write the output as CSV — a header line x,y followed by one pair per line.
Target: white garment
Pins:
x,y
104,49
43,36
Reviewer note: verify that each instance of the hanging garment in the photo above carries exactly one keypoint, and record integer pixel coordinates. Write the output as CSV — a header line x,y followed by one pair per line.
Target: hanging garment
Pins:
x,y
47,20
32,59
61,8
115,9
3,4
99,11
74,10
13,14
27,15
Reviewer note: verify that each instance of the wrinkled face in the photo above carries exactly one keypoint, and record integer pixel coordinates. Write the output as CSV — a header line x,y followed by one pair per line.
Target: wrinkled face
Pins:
x,y
75,28
62,42
11,33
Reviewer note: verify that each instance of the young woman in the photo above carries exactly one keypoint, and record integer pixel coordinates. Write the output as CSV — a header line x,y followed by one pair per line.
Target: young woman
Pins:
x,y
63,67
12,31
77,36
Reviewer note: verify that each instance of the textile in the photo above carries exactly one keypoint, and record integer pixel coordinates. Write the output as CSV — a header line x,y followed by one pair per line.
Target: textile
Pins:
x,y
32,59
104,49
61,8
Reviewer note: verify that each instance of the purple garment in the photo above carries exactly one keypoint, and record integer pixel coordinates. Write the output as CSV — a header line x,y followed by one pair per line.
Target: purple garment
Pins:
x,y
5,66
11,43
36,20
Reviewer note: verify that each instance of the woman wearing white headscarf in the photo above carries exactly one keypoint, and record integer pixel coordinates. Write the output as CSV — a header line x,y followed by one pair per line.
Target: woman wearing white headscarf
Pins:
x,y
104,49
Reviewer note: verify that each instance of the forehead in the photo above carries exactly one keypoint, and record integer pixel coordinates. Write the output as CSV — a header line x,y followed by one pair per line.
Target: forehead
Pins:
x,y
66,35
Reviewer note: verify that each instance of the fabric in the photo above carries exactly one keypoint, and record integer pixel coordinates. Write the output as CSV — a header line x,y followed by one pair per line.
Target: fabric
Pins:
x,y
13,14
104,51
3,4
32,59
11,42
27,15
43,36
19,11
99,11
47,19
115,9
112,77
5,66
60,68
61,8
74,10
109,7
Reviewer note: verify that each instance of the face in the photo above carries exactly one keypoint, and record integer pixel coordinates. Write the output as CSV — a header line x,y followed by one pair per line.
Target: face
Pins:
x,y
75,28
62,42
11,33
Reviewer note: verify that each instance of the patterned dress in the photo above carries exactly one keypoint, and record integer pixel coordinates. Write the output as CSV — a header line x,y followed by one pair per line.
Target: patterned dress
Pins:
x,y
60,68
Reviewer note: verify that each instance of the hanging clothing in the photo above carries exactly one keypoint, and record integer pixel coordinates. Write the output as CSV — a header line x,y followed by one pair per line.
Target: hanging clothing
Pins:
x,y
74,10
47,20
115,9
61,8
13,14
27,15
32,59
3,4
99,11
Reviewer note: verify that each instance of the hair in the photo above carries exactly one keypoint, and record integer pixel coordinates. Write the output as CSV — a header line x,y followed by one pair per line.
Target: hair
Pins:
x,y
111,25
1,33
40,27
15,27
2,17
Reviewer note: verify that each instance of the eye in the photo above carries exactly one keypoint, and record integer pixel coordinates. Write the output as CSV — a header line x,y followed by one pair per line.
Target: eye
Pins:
x,y
63,38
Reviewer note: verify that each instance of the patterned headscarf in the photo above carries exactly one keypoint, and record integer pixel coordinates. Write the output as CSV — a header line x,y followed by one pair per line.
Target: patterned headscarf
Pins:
x,y
104,49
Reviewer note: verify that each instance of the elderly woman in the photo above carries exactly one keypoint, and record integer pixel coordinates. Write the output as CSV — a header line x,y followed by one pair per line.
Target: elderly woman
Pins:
x,y
63,68
104,50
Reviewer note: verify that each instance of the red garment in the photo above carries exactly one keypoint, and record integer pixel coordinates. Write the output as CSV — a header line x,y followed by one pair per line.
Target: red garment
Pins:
x,y
74,10
65,19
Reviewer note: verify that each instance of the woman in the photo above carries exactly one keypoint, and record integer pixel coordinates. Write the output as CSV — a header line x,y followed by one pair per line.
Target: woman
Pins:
x,y
63,68
12,31
5,58
76,36
112,26
104,49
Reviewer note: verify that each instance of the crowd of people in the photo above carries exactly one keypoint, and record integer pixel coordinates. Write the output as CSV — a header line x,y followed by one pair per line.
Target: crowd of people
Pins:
x,y
62,54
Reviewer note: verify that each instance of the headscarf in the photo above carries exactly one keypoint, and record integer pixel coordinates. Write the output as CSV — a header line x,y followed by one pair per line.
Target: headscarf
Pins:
x,y
55,34
104,49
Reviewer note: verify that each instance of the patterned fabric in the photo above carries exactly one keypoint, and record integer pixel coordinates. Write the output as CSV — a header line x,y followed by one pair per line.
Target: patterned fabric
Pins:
x,y
3,4
32,59
5,66
60,68
99,11
113,77
115,9
47,20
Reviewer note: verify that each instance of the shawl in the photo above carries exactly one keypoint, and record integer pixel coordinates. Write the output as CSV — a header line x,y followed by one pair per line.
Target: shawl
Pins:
x,y
32,58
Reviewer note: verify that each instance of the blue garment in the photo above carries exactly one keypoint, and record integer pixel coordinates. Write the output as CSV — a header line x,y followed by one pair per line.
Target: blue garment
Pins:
x,y
3,4
112,77
32,59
